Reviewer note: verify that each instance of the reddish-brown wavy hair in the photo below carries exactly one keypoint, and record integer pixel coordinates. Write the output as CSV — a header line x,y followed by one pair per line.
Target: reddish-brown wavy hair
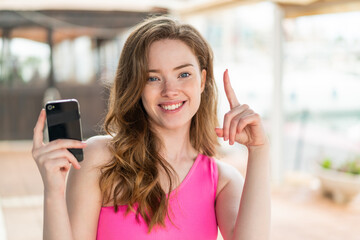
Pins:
x,y
132,176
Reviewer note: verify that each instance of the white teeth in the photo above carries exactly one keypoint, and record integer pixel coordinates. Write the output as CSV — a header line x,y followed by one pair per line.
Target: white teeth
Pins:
x,y
172,107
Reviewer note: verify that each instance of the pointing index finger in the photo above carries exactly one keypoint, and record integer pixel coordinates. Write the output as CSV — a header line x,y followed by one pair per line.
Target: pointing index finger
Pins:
x,y
230,94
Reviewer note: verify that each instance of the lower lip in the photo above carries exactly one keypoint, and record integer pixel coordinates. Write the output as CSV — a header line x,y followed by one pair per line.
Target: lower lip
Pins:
x,y
173,111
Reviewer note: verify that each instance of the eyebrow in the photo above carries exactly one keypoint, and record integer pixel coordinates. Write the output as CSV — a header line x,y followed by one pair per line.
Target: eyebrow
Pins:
x,y
176,68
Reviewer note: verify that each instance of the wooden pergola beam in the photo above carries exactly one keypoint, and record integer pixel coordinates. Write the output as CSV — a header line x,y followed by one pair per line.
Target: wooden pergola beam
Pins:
x,y
211,6
69,24
291,8
82,5
39,34
320,7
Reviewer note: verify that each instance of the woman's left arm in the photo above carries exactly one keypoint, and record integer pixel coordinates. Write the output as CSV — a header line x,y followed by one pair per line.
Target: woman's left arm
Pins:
x,y
251,218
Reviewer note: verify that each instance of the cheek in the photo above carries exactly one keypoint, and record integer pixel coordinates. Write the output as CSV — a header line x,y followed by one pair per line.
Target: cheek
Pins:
x,y
146,98
194,87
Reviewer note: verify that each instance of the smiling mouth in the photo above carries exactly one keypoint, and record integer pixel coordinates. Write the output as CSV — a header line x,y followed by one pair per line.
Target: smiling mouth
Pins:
x,y
170,107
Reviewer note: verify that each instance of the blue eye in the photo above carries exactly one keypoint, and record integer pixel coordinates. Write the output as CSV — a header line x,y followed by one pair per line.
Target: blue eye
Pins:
x,y
184,75
153,79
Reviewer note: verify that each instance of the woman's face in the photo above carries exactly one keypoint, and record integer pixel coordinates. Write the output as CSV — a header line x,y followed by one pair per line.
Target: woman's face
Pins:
x,y
173,90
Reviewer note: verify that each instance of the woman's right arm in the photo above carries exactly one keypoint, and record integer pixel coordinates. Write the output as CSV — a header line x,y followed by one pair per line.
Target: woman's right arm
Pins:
x,y
83,194
54,162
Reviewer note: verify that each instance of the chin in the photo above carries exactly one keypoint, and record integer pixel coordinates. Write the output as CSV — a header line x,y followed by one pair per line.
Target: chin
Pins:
x,y
175,126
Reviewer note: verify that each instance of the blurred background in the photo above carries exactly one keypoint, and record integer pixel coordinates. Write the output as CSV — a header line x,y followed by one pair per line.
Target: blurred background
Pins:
x,y
296,62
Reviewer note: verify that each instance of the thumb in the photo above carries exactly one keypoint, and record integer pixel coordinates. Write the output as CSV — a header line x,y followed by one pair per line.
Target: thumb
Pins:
x,y
38,130
219,132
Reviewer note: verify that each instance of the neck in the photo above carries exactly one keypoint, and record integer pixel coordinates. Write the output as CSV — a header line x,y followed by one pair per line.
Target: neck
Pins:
x,y
176,145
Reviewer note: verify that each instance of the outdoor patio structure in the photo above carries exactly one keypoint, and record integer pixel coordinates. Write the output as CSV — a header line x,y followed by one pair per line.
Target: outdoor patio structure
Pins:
x,y
299,209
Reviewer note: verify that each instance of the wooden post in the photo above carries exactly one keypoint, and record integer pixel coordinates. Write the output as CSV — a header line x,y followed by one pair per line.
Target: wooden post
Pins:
x,y
51,79
98,43
5,57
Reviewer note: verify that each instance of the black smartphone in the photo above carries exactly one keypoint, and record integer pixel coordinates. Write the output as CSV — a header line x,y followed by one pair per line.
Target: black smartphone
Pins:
x,y
63,121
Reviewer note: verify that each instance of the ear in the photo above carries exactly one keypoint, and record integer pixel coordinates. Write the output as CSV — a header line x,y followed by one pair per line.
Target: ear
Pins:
x,y
203,79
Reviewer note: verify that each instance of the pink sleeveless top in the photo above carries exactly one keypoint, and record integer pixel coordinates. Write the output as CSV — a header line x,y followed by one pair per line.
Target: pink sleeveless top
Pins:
x,y
192,211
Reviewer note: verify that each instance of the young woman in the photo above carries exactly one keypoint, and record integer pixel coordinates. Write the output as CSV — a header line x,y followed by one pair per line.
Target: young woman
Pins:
x,y
154,176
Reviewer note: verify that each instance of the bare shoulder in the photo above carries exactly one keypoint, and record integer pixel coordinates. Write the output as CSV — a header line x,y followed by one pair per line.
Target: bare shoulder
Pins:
x,y
227,174
96,154
97,151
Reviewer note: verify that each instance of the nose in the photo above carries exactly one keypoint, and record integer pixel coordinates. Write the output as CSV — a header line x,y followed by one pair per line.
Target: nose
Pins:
x,y
170,89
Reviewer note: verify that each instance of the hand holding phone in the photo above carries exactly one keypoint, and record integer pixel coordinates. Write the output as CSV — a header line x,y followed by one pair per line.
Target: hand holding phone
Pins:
x,y
63,122
53,159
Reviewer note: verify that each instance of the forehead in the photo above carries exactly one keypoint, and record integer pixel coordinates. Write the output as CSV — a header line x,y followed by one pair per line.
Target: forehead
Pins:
x,y
170,53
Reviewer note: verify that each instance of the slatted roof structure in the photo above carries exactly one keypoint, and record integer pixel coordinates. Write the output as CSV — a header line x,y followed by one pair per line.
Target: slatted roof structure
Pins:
x,y
67,20
291,8
55,21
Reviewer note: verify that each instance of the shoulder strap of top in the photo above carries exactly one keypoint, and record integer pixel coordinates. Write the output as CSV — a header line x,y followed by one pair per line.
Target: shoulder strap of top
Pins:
x,y
214,174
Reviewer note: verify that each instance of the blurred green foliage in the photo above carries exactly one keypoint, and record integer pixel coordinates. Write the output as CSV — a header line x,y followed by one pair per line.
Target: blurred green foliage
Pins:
x,y
326,163
351,166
